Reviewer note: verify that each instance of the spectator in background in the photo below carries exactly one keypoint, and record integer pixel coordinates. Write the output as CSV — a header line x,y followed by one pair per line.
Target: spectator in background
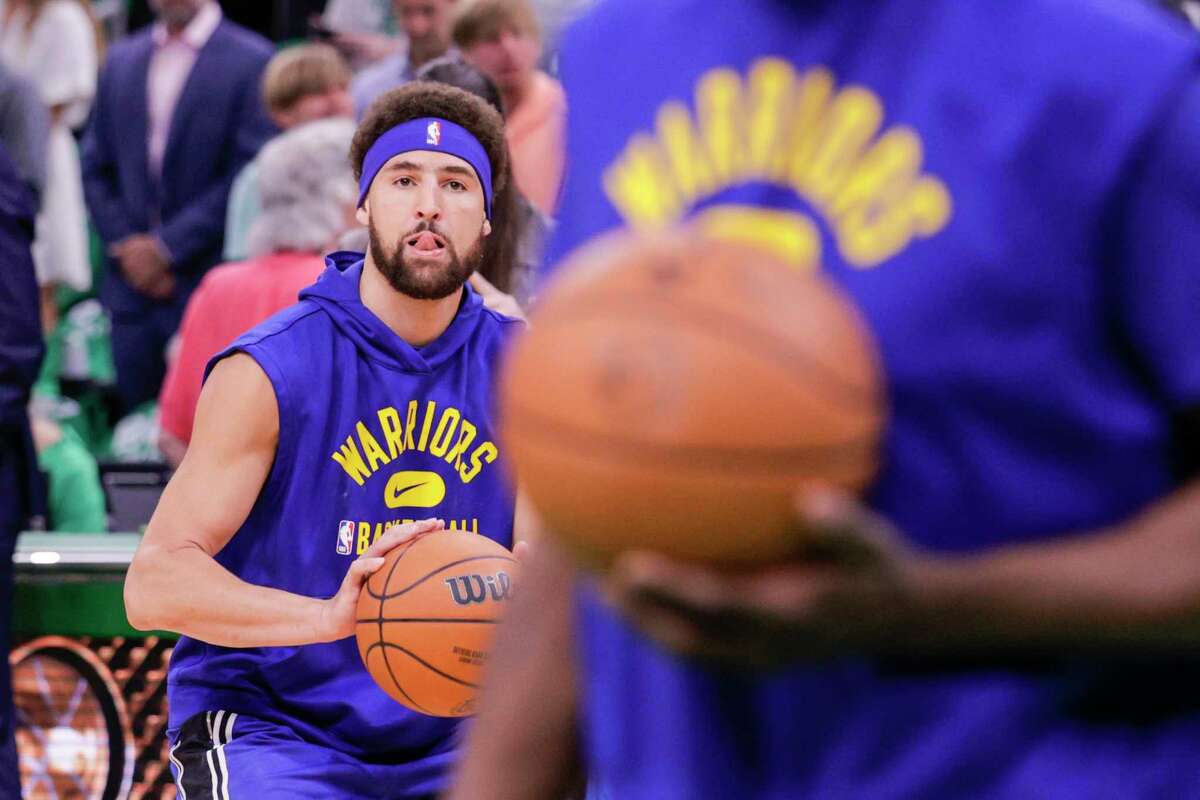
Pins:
x,y
514,250
364,31
74,494
24,129
553,17
178,114
20,356
301,84
501,38
54,43
426,24
308,201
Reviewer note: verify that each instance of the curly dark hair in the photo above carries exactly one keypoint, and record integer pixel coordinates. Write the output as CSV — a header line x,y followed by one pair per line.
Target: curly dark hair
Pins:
x,y
427,99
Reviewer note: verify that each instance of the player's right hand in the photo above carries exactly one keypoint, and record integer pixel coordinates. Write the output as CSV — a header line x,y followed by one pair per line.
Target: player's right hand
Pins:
x,y
338,612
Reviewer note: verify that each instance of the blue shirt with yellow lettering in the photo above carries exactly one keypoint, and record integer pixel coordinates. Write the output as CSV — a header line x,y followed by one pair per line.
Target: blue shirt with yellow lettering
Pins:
x,y
1011,194
372,432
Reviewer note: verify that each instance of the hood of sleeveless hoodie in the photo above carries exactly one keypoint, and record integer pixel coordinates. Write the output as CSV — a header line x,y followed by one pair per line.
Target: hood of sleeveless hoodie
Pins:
x,y
336,293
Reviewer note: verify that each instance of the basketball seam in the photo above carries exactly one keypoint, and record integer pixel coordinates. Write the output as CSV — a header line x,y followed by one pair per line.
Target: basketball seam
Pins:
x,y
718,324
382,599
422,662
382,645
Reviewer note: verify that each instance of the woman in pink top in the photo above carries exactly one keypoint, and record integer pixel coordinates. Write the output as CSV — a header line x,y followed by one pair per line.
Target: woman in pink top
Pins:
x,y
308,198
502,40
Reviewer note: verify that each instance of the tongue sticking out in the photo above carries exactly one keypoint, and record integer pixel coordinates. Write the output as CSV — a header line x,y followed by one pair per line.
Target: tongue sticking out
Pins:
x,y
427,242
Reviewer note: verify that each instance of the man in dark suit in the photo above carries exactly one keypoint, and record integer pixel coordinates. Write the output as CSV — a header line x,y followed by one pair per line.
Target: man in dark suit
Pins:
x,y
177,115
20,356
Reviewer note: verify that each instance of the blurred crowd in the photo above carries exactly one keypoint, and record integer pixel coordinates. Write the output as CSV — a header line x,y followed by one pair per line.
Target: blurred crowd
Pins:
x,y
186,171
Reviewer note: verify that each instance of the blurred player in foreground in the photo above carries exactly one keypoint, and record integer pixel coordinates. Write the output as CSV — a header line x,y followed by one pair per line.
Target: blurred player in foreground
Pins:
x,y
1014,208
320,436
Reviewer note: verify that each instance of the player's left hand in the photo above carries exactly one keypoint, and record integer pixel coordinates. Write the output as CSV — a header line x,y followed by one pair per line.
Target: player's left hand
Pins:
x,y
337,614
848,590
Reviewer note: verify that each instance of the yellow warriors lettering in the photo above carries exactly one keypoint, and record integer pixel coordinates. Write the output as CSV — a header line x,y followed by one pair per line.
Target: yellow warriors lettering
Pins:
x,y
443,433
796,130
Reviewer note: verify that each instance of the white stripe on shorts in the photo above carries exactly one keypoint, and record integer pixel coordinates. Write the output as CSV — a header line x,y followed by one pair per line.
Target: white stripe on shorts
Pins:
x,y
178,765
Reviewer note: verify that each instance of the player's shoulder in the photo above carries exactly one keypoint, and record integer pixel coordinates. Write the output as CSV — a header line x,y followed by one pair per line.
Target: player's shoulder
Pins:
x,y
1090,27
593,30
495,320
497,329
288,332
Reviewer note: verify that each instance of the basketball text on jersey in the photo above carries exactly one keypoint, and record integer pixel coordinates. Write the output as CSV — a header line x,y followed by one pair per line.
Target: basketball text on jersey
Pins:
x,y
443,433
355,536
795,130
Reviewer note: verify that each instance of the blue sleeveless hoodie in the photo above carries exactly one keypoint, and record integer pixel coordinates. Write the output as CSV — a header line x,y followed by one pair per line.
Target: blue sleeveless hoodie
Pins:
x,y
372,432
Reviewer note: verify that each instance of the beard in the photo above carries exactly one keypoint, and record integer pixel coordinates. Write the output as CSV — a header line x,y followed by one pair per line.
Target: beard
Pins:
x,y
418,281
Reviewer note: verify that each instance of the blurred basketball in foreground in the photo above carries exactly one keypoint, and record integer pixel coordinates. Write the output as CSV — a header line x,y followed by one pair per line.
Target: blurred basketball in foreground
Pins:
x,y
426,619
674,393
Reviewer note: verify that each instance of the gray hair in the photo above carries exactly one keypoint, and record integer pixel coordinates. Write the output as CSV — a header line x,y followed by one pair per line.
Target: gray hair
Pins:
x,y
306,186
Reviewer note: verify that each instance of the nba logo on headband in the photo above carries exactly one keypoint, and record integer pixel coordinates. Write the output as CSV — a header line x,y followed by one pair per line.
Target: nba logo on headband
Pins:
x,y
426,133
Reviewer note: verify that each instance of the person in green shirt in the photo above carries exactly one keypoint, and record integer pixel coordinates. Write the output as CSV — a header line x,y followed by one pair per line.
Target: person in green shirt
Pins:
x,y
75,498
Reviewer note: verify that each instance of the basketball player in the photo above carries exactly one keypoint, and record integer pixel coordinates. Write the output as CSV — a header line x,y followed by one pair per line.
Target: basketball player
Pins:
x,y
320,436
1012,202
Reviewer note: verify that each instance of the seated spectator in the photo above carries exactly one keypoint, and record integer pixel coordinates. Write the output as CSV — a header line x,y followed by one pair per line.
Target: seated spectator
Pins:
x,y
426,24
502,39
300,84
308,201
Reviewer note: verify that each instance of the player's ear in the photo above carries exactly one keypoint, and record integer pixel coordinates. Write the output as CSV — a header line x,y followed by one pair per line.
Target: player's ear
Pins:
x,y
363,213
487,226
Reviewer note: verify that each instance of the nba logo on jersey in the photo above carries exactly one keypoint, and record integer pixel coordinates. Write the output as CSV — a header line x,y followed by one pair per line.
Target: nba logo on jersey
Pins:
x,y
433,134
345,535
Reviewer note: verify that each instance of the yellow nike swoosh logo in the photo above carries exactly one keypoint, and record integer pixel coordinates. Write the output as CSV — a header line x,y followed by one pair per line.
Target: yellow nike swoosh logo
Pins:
x,y
417,489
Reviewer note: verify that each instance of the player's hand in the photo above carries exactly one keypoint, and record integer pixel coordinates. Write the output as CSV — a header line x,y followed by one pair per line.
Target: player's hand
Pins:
x,y
337,614
495,299
850,589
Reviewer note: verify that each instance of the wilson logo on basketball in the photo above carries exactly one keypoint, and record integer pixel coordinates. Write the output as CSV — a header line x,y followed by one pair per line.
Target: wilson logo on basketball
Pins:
x,y
469,589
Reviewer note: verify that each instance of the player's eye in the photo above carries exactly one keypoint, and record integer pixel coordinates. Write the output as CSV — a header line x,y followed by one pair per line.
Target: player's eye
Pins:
x,y
404,180
456,186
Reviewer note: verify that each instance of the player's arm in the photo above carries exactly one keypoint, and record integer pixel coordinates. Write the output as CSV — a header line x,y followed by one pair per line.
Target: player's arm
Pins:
x,y
523,743
174,583
1134,587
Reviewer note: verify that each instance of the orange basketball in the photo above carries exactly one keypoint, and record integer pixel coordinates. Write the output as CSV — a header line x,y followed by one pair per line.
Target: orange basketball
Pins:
x,y
426,619
674,393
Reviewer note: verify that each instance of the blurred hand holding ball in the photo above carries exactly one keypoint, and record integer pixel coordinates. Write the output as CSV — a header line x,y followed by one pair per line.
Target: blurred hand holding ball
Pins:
x,y
673,393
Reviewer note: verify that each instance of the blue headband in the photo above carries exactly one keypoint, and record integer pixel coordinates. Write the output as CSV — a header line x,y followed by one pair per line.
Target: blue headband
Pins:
x,y
432,134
